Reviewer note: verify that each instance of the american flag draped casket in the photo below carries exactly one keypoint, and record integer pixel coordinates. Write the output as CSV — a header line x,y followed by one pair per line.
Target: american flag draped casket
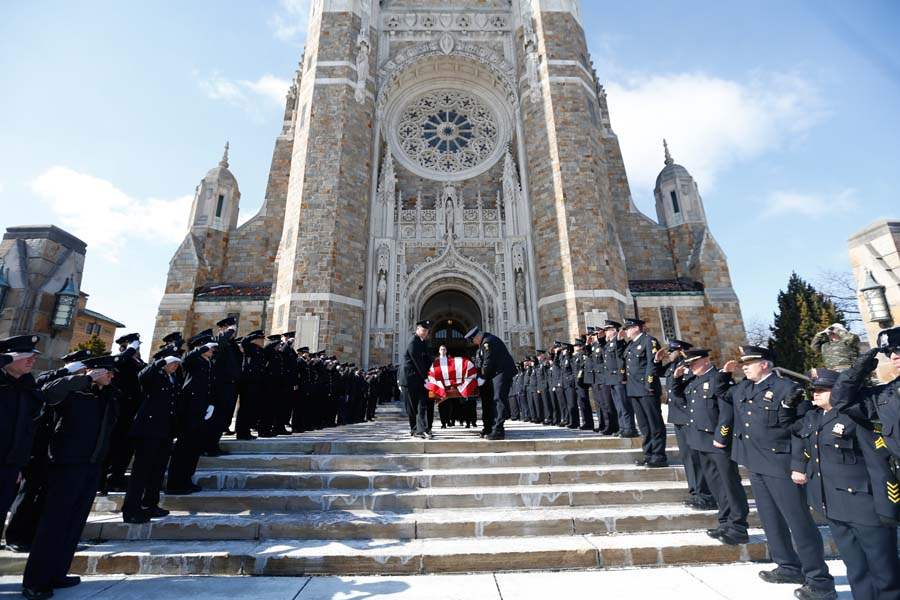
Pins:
x,y
452,377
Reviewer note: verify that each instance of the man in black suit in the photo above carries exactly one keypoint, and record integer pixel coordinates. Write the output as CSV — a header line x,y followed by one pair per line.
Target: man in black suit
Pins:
x,y
414,367
497,367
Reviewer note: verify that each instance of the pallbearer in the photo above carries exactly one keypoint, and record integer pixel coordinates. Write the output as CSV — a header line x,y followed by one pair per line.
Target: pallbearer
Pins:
x,y
498,368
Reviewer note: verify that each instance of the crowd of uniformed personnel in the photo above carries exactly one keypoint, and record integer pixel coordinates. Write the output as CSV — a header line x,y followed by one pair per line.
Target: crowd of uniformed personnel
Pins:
x,y
71,433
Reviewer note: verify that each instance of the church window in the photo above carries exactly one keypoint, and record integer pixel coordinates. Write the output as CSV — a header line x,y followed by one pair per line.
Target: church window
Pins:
x,y
219,204
675,206
669,323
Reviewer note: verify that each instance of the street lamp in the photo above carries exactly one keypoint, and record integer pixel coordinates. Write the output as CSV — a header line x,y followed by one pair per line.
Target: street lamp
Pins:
x,y
4,285
876,299
64,310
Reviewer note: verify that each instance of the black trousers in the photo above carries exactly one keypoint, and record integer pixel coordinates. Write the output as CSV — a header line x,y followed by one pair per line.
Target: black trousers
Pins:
x,y
537,410
26,509
550,413
418,408
725,484
653,429
693,470
624,408
486,393
445,410
147,471
70,494
786,519
185,456
248,409
225,399
500,385
870,554
571,401
584,410
559,401
9,486
121,449
607,416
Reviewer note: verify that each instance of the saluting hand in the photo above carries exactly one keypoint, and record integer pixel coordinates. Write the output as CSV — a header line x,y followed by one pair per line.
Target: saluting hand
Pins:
x,y
660,355
732,366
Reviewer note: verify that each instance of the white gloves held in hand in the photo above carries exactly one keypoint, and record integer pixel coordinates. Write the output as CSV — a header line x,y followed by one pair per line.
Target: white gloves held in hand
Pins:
x,y
209,412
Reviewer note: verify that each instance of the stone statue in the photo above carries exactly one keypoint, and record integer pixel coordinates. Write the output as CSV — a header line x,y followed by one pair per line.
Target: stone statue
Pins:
x,y
362,68
520,295
382,298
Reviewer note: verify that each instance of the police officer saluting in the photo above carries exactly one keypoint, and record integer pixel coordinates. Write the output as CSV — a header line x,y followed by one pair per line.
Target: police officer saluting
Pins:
x,y
764,407
226,373
644,391
614,377
844,465
498,367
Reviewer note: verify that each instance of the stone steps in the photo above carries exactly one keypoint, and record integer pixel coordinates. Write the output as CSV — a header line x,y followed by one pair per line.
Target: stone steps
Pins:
x,y
531,496
394,556
431,524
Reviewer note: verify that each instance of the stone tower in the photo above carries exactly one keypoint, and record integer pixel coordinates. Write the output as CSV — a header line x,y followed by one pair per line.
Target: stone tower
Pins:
x,y
456,161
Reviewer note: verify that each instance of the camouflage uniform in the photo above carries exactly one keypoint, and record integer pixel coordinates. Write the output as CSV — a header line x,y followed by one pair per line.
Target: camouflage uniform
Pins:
x,y
840,354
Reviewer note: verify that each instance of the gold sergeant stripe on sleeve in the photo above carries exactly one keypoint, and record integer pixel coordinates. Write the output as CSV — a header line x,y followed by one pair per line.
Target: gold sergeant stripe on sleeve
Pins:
x,y
893,492
880,443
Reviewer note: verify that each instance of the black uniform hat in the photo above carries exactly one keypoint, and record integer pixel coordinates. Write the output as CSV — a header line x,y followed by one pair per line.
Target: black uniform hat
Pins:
x,y
612,324
303,350
540,352
275,337
591,330
204,337
174,337
823,378
166,351
289,334
473,332
692,354
226,322
107,362
634,322
751,353
889,340
679,345
254,335
20,343
77,356
128,338
424,323
579,342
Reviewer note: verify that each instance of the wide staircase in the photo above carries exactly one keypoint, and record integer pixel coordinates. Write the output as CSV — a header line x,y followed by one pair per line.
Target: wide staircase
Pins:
x,y
368,499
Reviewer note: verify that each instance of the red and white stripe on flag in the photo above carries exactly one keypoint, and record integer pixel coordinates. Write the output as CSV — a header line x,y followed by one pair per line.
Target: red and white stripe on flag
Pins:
x,y
458,372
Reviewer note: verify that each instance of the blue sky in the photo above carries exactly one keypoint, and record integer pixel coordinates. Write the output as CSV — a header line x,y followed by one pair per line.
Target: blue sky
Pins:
x,y
785,112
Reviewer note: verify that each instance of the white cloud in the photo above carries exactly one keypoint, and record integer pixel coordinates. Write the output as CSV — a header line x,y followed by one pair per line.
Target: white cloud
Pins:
x,y
809,205
255,97
289,22
709,122
106,217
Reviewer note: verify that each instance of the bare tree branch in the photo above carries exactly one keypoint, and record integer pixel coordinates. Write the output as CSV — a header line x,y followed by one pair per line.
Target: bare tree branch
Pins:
x,y
758,332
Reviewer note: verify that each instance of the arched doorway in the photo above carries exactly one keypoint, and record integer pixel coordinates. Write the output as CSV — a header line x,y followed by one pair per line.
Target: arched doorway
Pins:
x,y
452,314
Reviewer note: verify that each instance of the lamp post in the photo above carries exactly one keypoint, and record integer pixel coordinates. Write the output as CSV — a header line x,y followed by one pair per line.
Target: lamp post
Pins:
x,y
66,299
876,299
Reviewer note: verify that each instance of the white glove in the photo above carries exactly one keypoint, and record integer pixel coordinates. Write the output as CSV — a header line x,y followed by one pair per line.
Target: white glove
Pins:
x,y
480,381
209,412
96,374
74,367
136,344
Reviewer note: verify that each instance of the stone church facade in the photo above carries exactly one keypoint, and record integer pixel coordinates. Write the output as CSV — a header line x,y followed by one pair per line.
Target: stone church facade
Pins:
x,y
451,160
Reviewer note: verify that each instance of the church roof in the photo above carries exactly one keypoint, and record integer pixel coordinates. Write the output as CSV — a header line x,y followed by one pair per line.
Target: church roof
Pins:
x,y
221,172
672,170
680,285
221,291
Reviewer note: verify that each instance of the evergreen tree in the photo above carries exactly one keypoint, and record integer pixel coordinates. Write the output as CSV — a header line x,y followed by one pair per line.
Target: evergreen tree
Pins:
x,y
802,312
94,344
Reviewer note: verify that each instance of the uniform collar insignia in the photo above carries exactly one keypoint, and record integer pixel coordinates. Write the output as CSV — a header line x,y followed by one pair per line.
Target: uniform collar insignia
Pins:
x,y
769,395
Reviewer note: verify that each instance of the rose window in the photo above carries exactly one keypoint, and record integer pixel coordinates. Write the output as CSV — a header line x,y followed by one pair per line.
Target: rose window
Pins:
x,y
447,131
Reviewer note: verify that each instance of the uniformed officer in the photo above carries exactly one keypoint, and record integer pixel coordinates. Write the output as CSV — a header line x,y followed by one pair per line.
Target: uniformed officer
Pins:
x,y
85,412
554,380
580,366
568,385
29,503
614,377
763,409
679,417
644,391
607,417
129,364
881,402
291,393
844,465
20,404
226,373
709,434
152,430
251,386
195,407
413,373
498,368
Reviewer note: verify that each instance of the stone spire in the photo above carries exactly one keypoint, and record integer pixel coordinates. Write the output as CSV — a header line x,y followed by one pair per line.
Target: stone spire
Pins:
x,y
669,160
224,161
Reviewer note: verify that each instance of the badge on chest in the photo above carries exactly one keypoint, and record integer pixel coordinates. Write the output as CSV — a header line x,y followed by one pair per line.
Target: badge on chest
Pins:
x,y
838,429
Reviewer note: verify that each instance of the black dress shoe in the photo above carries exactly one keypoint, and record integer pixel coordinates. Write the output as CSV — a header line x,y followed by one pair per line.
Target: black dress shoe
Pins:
x,y
195,488
179,491
779,575
733,539
135,519
806,592
495,435
657,464
629,434
155,512
715,533
67,582
641,462
33,594
246,437
20,548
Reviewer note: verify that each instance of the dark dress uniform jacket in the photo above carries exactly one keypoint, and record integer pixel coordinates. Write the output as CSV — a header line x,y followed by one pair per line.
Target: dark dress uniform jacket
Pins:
x,y
640,372
496,358
196,395
20,404
83,419
156,416
761,418
679,412
708,418
227,366
614,362
847,465
415,363
128,365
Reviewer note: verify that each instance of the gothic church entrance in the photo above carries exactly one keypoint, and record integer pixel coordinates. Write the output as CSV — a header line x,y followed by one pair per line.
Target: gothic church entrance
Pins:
x,y
452,314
